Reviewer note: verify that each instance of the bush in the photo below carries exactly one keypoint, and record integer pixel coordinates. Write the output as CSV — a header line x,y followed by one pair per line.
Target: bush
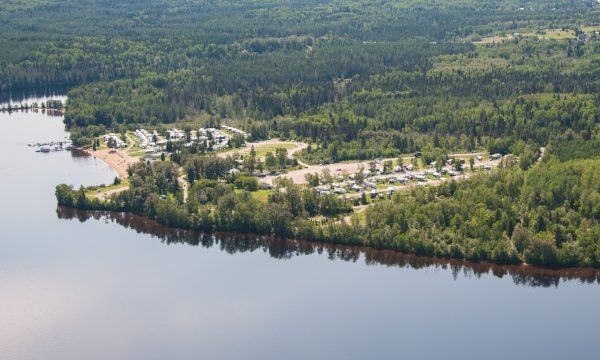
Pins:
x,y
246,183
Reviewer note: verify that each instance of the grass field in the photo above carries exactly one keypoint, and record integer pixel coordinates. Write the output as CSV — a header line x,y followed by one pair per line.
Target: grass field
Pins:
x,y
261,151
590,29
261,195
136,153
546,34
361,215
553,34
492,39
132,141
103,189
263,147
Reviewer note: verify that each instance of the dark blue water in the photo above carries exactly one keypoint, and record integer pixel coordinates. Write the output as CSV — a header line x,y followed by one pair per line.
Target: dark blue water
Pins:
x,y
73,287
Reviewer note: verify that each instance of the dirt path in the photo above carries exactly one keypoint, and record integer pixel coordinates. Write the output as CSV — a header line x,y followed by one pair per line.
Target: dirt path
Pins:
x,y
184,186
106,194
355,210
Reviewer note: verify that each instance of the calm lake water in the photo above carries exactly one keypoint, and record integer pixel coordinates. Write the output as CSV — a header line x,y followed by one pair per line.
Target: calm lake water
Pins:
x,y
108,286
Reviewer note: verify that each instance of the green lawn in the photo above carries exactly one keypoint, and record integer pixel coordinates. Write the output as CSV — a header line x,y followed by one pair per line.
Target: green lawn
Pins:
x,y
136,153
261,195
261,151
101,189
553,34
132,141
590,29
361,214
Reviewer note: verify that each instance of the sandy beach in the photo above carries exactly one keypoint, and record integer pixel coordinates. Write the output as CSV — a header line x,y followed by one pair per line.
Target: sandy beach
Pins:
x,y
116,159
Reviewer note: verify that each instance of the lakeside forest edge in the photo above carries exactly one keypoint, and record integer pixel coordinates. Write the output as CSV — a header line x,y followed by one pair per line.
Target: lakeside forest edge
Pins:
x,y
355,81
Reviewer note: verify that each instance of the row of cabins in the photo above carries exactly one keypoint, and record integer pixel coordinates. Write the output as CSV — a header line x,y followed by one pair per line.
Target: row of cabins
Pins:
x,y
404,179
220,139
379,169
146,139
235,130
115,139
342,189
342,186
375,194
175,134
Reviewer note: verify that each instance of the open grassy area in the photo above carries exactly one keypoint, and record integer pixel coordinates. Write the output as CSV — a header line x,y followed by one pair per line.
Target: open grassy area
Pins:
x,y
552,34
102,146
590,29
261,195
361,215
102,189
132,141
136,153
546,34
494,39
261,151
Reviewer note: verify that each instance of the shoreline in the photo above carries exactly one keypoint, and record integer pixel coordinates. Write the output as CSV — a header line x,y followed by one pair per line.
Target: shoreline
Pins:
x,y
386,257
117,160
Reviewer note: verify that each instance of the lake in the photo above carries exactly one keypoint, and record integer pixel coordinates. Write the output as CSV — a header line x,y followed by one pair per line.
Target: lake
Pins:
x,y
76,285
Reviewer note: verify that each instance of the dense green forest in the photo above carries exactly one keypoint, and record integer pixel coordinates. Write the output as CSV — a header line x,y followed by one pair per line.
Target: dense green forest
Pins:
x,y
548,215
358,80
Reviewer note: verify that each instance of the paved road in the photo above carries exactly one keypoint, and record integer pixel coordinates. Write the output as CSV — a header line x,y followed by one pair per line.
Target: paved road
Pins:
x,y
351,167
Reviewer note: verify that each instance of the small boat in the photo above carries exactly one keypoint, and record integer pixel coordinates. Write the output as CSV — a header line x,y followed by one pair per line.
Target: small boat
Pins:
x,y
45,149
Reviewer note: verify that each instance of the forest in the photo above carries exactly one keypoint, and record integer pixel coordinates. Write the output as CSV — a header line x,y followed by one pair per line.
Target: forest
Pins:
x,y
357,81
546,215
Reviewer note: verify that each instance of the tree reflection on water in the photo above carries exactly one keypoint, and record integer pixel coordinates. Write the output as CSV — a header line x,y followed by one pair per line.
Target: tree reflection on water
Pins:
x,y
283,248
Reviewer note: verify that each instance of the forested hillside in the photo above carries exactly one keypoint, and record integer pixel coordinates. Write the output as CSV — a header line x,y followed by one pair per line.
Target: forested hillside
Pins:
x,y
358,81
